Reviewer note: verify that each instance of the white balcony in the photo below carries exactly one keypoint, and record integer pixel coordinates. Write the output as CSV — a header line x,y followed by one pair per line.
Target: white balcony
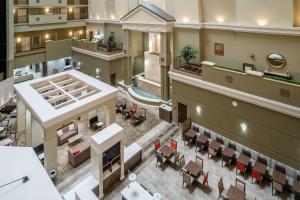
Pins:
x,y
47,19
47,2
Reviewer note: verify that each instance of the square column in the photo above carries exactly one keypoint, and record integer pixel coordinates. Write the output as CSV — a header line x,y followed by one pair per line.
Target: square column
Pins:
x,y
128,59
28,131
110,109
21,116
165,62
50,149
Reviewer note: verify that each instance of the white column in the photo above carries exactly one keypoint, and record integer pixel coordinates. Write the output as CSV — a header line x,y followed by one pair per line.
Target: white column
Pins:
x,y
21,116
28,124
50,149
100,169
110,109
37,132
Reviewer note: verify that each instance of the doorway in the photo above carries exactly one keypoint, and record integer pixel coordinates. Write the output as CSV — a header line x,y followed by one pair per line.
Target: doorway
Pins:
x,y
113,79
182,113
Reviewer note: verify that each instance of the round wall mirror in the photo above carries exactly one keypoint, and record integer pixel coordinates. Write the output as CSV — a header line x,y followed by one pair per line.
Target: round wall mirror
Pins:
x,y
276,60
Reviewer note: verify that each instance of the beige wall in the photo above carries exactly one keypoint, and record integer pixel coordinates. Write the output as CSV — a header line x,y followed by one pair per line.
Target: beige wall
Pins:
x,y
215,11
240,46
270,133
296,12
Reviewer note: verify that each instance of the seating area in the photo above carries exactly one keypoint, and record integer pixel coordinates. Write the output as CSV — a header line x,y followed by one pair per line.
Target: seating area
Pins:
x,y
250,168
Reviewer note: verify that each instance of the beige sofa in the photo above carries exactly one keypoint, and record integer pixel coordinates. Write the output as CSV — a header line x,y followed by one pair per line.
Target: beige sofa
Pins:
x,y
66,132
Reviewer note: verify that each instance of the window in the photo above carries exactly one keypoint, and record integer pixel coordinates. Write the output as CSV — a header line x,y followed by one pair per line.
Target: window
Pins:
x,y
35,40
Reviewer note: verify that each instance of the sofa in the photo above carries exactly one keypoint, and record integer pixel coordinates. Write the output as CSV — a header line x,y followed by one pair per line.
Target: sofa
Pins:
x,y
78,155
66,132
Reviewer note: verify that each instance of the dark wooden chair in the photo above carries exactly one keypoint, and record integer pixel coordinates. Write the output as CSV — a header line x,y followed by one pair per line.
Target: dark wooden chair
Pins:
x,y
240,185
122,106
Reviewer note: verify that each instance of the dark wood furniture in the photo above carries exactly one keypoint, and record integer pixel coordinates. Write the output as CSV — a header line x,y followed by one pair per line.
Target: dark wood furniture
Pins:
x,y
235,194
165,113
83,153
215,145
279,177
227,155
193,168
243,159
167,151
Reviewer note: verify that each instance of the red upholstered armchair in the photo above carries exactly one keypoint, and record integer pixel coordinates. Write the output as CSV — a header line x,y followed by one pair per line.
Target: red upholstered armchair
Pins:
x,y
240,167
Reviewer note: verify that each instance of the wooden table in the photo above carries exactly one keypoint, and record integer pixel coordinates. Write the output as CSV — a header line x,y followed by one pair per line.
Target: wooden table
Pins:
x,y
166,151
235,194
228,152
202,139
193,168
296,186
243,159
190,133
260,168
279,177
215,145
75,138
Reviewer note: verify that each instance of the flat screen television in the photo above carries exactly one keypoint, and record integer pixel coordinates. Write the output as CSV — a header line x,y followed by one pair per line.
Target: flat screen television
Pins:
x,y
111,153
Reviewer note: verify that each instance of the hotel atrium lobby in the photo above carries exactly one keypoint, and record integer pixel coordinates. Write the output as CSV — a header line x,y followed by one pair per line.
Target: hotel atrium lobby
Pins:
x,y
149,99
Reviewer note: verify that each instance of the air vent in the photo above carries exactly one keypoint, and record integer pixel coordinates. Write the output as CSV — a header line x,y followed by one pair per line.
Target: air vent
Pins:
x,y
37,19
37,1
284,92
229,79
59,17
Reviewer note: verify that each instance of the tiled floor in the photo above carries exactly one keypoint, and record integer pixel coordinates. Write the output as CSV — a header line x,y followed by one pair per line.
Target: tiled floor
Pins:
x,y
168,182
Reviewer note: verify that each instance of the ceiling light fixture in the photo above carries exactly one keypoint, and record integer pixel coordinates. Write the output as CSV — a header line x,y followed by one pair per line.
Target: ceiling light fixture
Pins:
x,y
244,127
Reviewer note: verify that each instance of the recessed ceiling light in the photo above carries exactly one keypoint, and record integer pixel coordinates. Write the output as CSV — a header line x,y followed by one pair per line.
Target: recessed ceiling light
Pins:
x,y
244,127
235,104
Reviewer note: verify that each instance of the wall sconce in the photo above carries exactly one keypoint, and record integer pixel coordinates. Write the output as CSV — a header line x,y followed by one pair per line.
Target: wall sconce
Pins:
x,y
47,37
98,17
220,19
14,11
70,10
80,32
198,109
78,65
235,104
185,20
244,127
70,33
19,40
262,22
112,17
47,10
97,73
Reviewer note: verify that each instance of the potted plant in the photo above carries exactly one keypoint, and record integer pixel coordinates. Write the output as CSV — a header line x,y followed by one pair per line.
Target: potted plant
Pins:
x,y
111,42
188,53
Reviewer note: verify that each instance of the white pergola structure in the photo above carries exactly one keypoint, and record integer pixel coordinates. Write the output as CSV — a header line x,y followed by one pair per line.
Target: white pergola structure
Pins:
x,y
101,142
45,104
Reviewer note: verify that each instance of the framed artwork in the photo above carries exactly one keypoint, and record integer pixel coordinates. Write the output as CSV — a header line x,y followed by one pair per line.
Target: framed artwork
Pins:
x,y
219,49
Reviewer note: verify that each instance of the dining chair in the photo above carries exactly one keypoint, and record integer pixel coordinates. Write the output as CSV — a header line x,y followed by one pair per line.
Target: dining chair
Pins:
x,y
173,144
211,152
203,180
207,134
240,185
198,146
222,190
187,179
174,160
257,176
277,187
157,145
241,167
160,159
280,169
262,160
246,153
232,146
199,161
181,164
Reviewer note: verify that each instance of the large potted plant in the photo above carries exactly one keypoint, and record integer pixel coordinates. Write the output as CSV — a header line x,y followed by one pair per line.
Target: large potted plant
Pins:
x,y
111,42
188,53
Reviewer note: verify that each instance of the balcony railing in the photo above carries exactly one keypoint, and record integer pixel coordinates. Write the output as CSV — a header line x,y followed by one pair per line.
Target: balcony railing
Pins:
x,y
77,16
20,2
190,68
78,2
19,49
21,19
99,47
47,19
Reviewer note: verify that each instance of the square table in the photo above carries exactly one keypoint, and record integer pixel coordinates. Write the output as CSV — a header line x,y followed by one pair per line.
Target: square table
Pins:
x,y
203,139
193,168
75,138
190,133
279,177
215,145
235,194
166,151
260,168
228,152
296,186
243,159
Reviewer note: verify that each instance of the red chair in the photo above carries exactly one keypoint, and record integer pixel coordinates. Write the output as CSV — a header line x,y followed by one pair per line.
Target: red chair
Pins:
x,y
173,145
240,167
257,176
157,145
